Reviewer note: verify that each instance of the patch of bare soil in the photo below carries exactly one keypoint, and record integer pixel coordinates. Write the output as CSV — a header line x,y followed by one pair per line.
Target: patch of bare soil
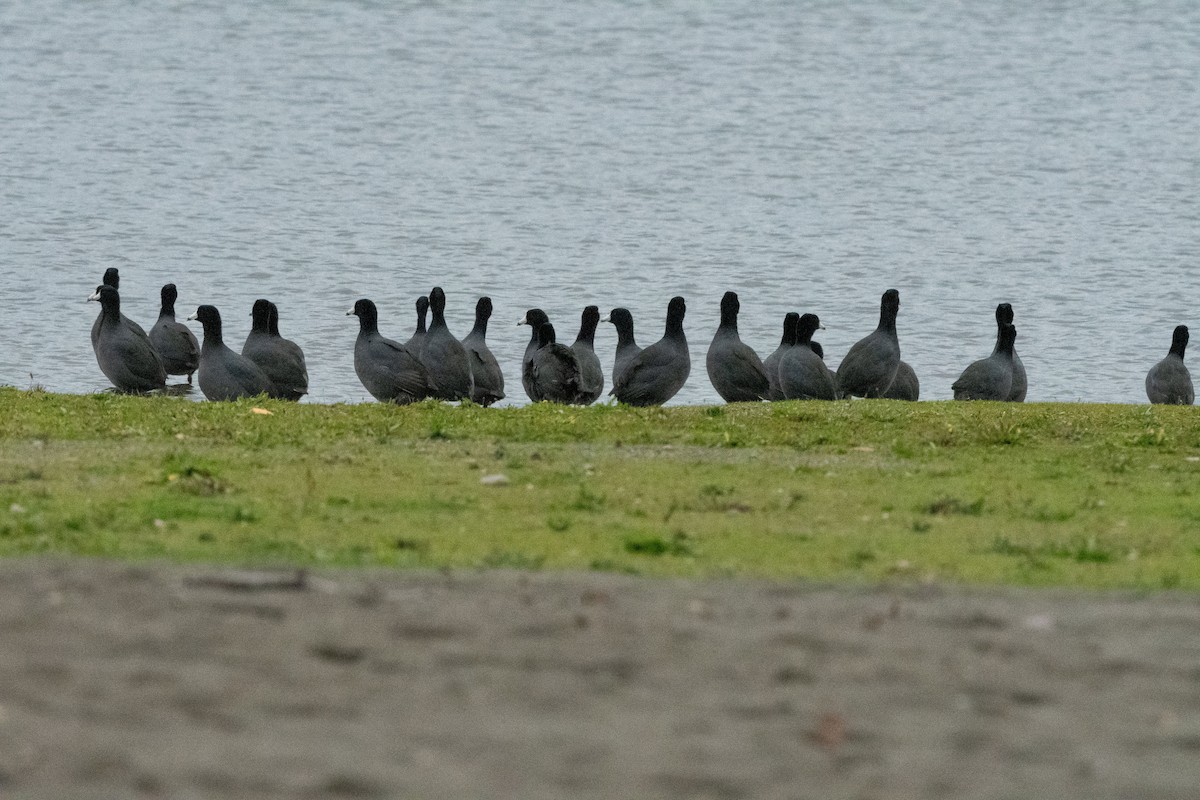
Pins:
x,y
191,682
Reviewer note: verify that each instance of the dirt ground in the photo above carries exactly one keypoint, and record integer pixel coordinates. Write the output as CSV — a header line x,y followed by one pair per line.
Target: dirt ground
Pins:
x,y
192,681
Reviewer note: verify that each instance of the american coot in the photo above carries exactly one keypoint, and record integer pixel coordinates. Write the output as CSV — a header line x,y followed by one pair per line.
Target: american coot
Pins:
x,y
111,278
627,346
535,318
174,341
444,356
554,372
1169,381
735,370
390,371
870,365
591,375
657,373
489,380
1004,316
123,350
905,385
417,340
771,362
802,373
224,374
282,360
294,354
989,378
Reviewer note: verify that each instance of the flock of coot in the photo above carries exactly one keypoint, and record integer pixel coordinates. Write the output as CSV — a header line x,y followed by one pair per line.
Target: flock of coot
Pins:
x,y
433,363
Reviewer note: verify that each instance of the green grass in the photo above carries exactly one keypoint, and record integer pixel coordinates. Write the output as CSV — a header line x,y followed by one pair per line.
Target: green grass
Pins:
x,y
1066,494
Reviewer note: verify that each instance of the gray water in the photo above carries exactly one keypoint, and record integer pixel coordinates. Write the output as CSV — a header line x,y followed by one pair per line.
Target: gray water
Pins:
x,y
806,155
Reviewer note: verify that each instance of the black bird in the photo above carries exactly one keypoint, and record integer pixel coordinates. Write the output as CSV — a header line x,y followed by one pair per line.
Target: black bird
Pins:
x,y
554,372
123,350
802,373
656,374
417,340
112,278
1020,384
591,375
871,363
489,380
535,318
281,359
390,371
627,346
735,370
1169,381
444,356
989,378
174,341
771,362
224,374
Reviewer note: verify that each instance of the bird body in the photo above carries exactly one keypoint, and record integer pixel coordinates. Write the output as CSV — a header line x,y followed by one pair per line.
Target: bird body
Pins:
x,y
112,277
225,374
735,370
535,318
390,371
771,362
627,346
177,346
870,365
281,359
1169,381
554,371
658,372
591,374
1020,384
444,357
989,378
802,373
489,380
123,350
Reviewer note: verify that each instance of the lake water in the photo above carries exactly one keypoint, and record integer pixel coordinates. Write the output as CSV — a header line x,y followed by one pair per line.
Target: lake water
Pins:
x,y
806,155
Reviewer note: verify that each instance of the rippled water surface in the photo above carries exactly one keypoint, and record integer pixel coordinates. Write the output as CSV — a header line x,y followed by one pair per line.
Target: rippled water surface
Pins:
x,y
807,155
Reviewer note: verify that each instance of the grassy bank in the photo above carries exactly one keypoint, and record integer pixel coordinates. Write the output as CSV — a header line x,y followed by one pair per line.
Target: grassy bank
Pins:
x,y
1039,494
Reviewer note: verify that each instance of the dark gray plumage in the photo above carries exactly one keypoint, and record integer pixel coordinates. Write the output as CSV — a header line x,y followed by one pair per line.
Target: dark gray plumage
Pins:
x,y
871,363
802,373
554,372
989,378
111,278
905,385
123,350
627,346
1020,384
535,318
444,356
282,360
1169,381
771,362
417,340
224,374
489,380
591,374
390,371
292,354
735,370
656,374
174,341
